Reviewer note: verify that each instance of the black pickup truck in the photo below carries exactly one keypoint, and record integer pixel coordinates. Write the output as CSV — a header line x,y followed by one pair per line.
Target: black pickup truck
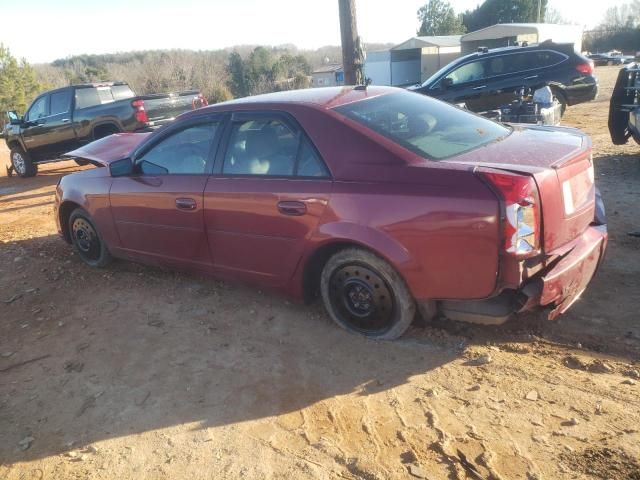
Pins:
x,y
64,119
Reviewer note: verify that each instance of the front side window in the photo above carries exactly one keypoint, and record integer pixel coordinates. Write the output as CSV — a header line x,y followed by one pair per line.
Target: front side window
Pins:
x,y
469,72
428,127
184,152
38,109
60,102
268,146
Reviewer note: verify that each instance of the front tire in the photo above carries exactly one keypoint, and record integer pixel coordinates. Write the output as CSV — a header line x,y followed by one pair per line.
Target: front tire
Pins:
x,y
86,239
22,163
365,295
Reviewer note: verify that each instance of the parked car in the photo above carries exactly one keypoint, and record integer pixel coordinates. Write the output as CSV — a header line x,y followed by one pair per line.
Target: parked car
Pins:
x,y
61,120
618,54
382,200
604,59
488,79
624,109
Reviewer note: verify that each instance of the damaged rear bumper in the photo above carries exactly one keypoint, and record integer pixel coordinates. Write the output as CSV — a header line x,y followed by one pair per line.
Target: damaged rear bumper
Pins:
x,y
564,283
556,287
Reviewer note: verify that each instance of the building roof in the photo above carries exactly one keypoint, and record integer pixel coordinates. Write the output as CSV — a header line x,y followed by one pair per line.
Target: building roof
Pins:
x,y
545,31
435,41
335,67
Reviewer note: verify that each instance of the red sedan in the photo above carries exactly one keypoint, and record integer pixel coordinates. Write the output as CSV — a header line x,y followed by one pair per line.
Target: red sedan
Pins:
x,y
382,201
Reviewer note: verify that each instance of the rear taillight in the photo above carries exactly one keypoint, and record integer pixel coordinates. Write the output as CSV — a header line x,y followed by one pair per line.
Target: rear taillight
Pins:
x,y
521,211
199,102
585,68
140,113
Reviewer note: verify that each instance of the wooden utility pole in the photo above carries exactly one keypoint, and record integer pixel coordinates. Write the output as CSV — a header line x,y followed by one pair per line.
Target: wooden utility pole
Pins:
x,y
351,50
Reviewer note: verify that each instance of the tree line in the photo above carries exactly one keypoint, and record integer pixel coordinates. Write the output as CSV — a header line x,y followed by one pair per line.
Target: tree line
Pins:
x,y
619,29
437,17
248,70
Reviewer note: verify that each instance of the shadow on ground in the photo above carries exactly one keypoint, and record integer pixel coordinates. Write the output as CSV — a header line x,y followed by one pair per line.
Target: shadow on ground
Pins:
x,y
132,349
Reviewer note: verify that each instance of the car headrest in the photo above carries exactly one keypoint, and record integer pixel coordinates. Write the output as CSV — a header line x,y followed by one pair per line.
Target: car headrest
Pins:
x,y
260,142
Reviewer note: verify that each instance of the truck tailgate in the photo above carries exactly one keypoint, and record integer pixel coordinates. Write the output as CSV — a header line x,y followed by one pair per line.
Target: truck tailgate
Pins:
x,y
165,108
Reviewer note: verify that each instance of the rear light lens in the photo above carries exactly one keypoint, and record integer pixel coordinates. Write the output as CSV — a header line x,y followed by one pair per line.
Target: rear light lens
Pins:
x,y
521,211
140,113
585,68
199,102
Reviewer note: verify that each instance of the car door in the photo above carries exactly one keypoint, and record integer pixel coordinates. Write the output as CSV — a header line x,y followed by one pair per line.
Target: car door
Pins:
x,y
158,210
506,75
465,84
34,128
266,197
58,132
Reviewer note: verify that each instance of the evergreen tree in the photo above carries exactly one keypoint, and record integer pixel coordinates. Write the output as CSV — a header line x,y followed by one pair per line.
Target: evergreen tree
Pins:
x,y
503,11
438,18
18,83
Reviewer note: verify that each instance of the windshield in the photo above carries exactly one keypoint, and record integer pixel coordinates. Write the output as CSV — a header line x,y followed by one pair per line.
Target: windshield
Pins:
x,y
426,126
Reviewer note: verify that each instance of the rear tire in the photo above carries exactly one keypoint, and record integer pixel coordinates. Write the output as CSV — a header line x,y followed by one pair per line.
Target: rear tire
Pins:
x,y
87,241
22,163
365,295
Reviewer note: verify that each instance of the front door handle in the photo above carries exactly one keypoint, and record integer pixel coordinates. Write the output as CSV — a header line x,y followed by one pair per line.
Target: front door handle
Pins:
x,y
481,87
292,207
186,203
531,77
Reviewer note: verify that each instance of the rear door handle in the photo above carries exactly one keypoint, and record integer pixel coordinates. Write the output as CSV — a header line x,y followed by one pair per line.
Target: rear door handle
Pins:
x,y
481,87
292,207
186,203
531,77
65,120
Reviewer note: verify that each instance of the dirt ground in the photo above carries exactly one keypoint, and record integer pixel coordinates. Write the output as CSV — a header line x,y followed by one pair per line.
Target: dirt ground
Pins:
x,y
135,372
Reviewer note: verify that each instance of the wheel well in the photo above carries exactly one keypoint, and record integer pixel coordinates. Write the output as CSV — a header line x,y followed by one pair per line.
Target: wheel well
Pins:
x,y
65,212
104,130
315,264
13,144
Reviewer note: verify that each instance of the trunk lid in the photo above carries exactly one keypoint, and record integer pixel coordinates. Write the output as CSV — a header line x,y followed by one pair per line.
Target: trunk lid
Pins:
x,y
560,161
108,149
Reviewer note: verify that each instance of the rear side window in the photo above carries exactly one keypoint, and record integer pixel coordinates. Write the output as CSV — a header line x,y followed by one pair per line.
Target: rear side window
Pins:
x,y
547,58
60,102
270,147
86,97
120,92
430,128
91,96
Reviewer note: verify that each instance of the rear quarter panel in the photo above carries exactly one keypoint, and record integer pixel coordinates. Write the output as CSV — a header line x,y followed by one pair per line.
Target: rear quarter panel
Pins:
x,y
441,234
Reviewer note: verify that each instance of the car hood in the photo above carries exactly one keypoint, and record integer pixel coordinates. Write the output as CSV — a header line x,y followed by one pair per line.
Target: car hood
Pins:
x,y
108,149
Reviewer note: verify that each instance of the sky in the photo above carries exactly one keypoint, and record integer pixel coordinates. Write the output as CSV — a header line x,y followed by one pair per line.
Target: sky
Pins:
x,y
44,30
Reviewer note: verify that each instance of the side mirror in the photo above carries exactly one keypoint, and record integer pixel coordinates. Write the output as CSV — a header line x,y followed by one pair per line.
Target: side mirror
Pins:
x,y
121,168
14,118
446,82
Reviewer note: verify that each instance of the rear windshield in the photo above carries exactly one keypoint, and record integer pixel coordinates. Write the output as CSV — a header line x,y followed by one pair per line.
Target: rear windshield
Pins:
x,y
428,127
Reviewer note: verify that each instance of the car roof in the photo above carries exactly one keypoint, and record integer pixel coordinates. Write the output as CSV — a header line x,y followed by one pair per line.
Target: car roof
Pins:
x,y
562,47
324,97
